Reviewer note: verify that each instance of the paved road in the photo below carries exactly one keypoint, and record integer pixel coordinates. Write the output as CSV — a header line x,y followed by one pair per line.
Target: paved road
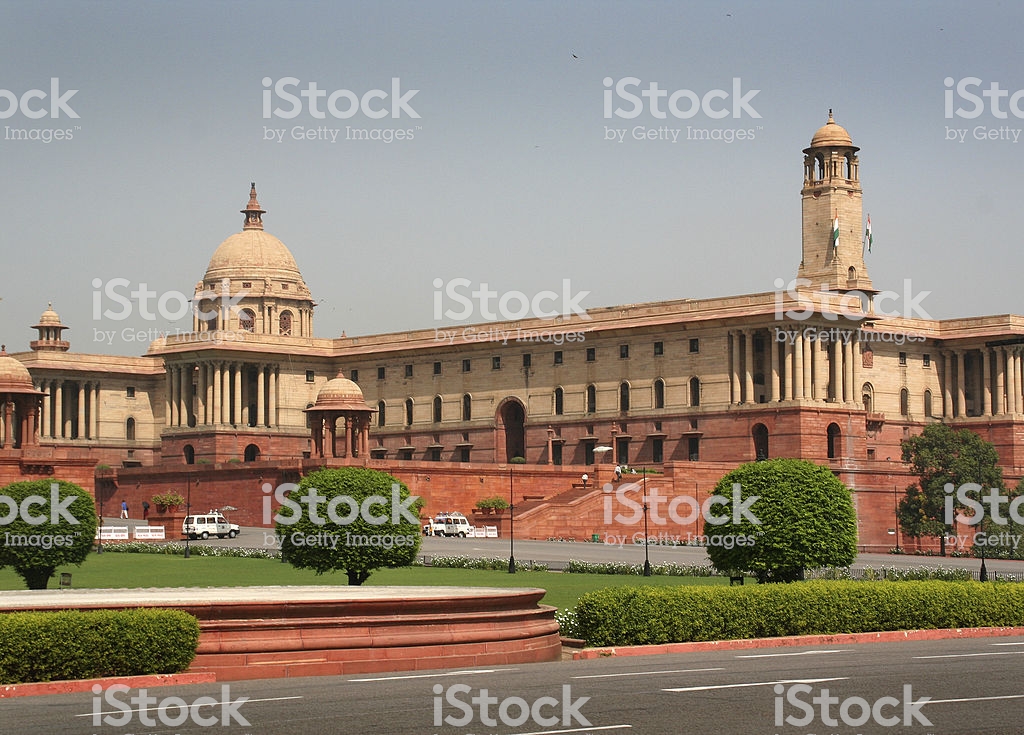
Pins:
x,y
973,685
556,553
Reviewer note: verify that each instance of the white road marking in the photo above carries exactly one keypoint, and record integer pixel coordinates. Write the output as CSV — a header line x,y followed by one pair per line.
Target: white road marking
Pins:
x,y
801,653
1006,644
204,704
577,729
755,684
431,676
971,655
644,673
974,699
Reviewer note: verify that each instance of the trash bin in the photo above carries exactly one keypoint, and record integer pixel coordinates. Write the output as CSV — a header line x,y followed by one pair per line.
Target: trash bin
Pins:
x,y
595,537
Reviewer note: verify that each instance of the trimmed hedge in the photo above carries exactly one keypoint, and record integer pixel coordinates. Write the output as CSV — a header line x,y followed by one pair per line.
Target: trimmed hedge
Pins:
x,y
648,615
72,644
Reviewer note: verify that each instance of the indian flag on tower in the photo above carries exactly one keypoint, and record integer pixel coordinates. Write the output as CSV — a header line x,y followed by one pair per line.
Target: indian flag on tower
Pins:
x,y
835,233
867,234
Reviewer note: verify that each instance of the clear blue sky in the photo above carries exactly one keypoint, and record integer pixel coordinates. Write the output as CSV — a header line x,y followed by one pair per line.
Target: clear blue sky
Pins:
x,y
508,178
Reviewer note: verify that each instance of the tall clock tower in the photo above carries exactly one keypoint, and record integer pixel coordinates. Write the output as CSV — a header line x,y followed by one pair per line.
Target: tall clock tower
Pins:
x,y
831,194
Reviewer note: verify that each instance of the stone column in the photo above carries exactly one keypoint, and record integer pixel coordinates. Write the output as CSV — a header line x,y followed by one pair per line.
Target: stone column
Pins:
x,y
855,359
82,427
748,367
961,395
835,365
225,394
44,419
238,395
332,432
95,412
798,366
999,395
272,397
1018,393
986,382
947,386
349,443
808,391
261,407
774,347
847,372
8,442
734,341
788,382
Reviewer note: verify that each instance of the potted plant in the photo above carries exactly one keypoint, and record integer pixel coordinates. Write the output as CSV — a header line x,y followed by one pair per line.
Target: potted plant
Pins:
x,y
496,504
168,501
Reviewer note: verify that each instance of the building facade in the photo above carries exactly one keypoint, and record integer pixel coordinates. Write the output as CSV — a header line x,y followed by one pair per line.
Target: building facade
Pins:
x,y
811,370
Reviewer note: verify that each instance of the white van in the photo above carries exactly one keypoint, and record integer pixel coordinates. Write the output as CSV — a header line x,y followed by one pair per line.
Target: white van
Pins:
x,y
455,524
209,524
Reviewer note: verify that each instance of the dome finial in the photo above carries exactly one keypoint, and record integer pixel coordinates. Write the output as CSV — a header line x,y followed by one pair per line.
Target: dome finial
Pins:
x,y
253,212
830,120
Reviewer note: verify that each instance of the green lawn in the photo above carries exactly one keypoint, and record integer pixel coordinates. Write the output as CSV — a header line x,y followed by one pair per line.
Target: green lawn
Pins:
x,y
152,570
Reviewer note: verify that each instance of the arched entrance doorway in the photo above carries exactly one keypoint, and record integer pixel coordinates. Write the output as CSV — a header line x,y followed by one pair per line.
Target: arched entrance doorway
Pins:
x,y
512,424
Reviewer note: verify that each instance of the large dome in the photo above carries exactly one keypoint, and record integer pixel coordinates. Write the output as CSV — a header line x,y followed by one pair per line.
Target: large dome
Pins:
x,y
340,393
254,255
14,377
831,135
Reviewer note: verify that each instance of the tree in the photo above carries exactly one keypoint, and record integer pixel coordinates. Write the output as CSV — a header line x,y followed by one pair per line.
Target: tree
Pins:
x,y
941,455
46,524
1001,541
806,520
350,519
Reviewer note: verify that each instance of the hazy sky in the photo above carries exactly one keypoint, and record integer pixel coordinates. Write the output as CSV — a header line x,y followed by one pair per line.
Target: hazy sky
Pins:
x,y
508,178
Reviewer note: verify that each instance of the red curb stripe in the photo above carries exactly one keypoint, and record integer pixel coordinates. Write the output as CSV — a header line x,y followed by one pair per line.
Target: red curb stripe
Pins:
x,y
85,685
797,640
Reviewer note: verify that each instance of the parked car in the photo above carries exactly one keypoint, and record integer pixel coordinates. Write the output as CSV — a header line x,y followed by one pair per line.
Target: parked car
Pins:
x,y
455,524
208,524
434,527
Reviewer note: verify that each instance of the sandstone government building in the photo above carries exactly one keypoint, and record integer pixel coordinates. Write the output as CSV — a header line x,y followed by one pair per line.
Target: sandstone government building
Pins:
x,y
690,388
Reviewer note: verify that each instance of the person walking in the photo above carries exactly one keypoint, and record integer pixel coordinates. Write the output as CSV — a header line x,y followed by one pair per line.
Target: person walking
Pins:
x,y
124,508
145,509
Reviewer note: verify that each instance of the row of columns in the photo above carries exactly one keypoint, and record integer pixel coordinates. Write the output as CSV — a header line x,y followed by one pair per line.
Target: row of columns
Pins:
x,y
324,431
212,393
803,370
999,382
267,321
59,419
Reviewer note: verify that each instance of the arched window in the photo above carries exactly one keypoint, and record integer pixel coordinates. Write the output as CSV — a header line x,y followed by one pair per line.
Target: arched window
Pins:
x,y
851,274
467,407
694,391
247,320
437,410
286,324
928,403
624,397
408,411
659,393
252,453
591,399
760,436
381,417
904,402
559,401
190,454
867,396
834,441
129,429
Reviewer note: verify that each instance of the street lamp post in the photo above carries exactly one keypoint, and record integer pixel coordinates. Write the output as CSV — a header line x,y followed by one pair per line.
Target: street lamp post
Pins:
x,y
99,539
511,525
896,505
188,512
983,572
647,541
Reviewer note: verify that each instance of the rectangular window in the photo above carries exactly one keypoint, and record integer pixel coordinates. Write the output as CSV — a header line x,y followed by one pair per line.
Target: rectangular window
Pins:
x,y
903,358
463,454
310,376
694,448
694,345
466,365
556,453
591,354
130,391
354,376
437,368
408,371
926,360
657,450
435,454
527,360
659,349
496,363
588,451
558,357
381,372
623,352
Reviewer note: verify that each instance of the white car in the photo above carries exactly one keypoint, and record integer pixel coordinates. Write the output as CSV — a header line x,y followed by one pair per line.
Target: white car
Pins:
x,y
455,524
209,524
